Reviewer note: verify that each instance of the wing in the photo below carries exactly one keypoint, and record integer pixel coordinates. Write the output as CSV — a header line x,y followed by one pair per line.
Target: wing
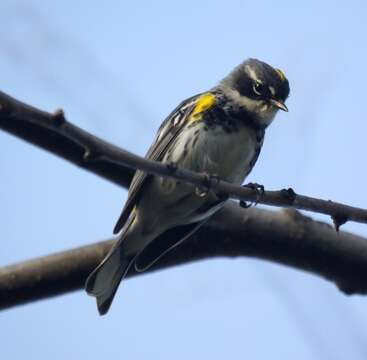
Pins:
x,y
164,243
166,134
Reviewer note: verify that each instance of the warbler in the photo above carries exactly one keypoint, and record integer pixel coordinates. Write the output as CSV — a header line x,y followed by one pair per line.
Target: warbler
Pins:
x,y
218,132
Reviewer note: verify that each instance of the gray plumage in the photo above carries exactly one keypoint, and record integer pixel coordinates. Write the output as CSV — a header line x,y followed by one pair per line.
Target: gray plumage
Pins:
x,y
219,132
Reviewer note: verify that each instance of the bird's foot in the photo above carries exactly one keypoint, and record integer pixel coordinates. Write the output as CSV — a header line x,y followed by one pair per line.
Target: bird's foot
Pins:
x,y
202,191
258,189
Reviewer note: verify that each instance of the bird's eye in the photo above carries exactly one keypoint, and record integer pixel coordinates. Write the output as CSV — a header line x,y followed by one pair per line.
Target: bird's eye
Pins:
x,y
258,88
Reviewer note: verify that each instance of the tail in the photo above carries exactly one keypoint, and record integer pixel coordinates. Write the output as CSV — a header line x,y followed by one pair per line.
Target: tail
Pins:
x,y
103,282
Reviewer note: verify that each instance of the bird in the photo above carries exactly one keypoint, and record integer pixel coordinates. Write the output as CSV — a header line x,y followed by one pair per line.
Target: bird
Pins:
x,y
218,132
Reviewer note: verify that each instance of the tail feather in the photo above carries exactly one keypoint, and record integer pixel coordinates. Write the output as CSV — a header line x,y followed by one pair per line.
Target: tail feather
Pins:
x,y
105,279
103,282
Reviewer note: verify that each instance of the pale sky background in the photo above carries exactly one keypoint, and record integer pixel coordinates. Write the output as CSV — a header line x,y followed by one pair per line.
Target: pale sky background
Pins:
x,y
118,68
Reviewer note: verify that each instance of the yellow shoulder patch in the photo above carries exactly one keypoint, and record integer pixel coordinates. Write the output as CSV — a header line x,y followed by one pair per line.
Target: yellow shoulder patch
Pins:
x,y
203,103
281,74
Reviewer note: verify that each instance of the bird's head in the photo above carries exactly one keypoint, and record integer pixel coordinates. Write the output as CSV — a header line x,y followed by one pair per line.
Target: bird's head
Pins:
x,y
258,88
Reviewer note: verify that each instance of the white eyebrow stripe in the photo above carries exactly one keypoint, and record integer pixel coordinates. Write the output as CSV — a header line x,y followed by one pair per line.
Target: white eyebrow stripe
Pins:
x,y
272,90
252,73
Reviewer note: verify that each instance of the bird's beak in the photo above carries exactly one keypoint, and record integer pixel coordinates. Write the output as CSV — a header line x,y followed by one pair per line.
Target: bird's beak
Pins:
x,y
279,104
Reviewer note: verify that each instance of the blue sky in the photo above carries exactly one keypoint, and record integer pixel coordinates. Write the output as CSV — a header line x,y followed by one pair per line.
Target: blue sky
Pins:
x,y
117,69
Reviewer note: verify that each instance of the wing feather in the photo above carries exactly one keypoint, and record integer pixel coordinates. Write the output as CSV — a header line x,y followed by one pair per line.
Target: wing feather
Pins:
x,y
166,134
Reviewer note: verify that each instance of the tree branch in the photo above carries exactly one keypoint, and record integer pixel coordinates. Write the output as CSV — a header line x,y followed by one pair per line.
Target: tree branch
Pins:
x,y
40,128
52,132
286,237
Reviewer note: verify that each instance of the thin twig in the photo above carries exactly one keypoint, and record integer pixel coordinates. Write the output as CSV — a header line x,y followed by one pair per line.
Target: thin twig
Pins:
x,y
95,154
40,128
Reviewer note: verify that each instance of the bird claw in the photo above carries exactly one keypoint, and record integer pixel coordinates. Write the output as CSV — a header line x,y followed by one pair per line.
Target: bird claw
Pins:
x,y
258,189
209,179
